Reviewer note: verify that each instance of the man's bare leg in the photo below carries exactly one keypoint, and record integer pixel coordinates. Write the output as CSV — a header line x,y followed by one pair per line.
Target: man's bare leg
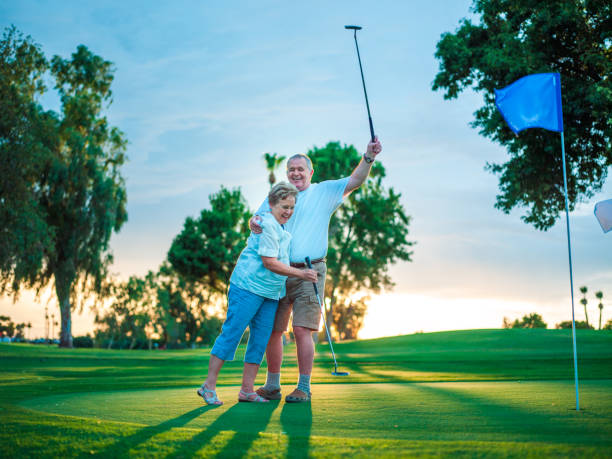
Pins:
x,y
274,358
305,355
305,349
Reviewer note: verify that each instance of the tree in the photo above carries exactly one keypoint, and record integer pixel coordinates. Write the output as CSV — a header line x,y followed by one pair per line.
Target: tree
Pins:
x,y
130,315
367,234
7,327
272,162
11,329
580,324
583,302
533,320
25,152
184,315
599,296
79,196
206,250
608,325
514,38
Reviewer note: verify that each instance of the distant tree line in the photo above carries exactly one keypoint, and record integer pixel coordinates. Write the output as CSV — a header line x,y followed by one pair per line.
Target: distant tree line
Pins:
x,y
534,320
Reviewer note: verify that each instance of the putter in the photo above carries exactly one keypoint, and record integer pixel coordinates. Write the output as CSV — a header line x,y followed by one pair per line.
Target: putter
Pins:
x,y
355,29
335,372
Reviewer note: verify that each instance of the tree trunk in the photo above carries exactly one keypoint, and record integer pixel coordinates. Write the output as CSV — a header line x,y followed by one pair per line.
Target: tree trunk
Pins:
x,y
63,282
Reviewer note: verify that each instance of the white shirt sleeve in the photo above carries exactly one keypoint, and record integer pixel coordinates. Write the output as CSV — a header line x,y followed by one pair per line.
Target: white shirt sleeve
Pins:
x,y
269,244
334,192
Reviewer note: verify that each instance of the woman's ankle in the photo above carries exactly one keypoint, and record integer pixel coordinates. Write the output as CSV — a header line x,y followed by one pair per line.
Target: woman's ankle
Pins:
x,y
209,385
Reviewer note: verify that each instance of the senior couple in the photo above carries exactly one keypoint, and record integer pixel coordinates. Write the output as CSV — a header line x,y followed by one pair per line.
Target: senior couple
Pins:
x,y
270,280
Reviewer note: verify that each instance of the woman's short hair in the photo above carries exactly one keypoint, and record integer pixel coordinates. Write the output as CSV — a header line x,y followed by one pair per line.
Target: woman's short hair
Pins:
x,y
304,157
280,191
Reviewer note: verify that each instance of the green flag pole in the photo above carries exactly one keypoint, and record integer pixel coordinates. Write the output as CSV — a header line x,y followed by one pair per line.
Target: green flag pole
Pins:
x,y
569,252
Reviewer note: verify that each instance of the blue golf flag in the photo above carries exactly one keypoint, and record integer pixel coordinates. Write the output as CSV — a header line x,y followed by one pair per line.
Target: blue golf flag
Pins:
x,y
532,101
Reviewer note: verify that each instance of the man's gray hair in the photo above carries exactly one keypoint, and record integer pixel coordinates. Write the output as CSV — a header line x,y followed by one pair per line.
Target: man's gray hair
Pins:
x,y
280,191
304,157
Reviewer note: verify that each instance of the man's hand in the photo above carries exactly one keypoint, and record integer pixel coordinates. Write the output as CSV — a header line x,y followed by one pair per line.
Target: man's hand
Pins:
x,y
254,224
374,148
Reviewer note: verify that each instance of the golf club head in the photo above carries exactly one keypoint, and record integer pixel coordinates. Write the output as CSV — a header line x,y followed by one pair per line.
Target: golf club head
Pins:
x,y
340,373
352,27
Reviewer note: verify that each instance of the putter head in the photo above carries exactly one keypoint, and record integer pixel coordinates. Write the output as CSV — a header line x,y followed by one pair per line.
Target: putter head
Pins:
x,y
340,373
352,27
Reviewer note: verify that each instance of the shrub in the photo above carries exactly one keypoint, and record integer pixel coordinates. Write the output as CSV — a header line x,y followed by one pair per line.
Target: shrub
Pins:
x,y
579,324
83,341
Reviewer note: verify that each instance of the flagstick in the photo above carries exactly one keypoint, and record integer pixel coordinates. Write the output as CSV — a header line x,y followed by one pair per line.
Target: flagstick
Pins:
x,y
569,251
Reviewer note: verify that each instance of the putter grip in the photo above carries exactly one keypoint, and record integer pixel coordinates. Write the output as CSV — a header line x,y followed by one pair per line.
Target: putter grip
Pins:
x,y
314,284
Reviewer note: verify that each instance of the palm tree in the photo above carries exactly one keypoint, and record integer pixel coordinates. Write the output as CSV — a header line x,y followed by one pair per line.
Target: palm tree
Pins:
x,y
599,296
583,301
272,162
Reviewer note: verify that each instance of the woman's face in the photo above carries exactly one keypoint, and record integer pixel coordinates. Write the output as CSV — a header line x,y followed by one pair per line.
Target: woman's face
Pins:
x,y
283,209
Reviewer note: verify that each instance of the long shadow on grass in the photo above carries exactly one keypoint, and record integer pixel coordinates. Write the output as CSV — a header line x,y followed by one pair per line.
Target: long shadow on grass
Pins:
x,y
481,415
296,419
246,419
123,446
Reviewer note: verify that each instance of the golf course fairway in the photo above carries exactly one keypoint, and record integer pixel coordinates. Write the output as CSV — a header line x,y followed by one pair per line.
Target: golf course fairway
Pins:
x,y
484,393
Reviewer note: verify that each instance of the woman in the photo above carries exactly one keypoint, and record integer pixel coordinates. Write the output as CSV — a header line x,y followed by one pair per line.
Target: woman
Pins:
x,y
257,283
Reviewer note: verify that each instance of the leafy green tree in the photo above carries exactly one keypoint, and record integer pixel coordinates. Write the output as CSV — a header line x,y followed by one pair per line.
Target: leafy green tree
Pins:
x,y
130,315
608,325
367,234
533,320
599,296
26,140
205,251
184,315
583,302
273,160
78,198
513,38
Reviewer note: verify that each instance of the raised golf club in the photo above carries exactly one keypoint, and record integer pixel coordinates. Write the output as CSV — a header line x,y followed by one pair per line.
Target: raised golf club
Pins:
x,y
355,29
335,372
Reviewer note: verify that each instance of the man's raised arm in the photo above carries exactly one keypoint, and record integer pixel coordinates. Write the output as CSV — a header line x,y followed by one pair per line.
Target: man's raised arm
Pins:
x,y
361,172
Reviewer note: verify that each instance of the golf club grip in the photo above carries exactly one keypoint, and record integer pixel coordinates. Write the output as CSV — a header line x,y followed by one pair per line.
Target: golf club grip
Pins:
x,y
371,127
314,284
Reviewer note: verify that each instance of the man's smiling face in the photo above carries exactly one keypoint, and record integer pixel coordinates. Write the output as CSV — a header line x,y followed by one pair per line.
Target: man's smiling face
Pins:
x,y
299,174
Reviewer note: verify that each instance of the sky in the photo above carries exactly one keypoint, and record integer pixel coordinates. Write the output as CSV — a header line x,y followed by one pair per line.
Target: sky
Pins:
x,y
202,89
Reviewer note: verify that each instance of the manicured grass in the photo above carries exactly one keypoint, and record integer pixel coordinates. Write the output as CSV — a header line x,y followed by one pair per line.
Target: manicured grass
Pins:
x,y
499,393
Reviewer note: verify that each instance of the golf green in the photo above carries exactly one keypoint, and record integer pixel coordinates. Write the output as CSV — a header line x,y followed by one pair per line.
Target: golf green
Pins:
x,y
484,411
476,393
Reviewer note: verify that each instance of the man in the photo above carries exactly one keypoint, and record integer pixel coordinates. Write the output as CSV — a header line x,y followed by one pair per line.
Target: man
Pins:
x,y
309,229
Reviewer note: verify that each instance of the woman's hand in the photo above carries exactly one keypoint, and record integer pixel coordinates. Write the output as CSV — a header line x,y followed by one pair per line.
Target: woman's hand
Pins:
x,y
309,275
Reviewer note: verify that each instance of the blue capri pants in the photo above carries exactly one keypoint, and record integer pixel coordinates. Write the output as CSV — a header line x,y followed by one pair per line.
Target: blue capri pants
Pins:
x,y
246,308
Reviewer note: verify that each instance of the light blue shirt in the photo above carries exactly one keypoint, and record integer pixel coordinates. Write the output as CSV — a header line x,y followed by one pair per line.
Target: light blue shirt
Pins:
x,y
309,224
250,273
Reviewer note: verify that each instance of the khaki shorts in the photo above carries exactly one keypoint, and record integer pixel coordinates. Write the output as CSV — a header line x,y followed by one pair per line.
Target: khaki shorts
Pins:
x,y
301,298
